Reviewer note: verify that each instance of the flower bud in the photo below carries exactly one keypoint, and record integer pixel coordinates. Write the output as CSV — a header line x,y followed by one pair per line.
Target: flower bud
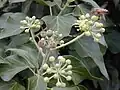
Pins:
x,y
49,70
87,33
69,67
45,66
61,59
90,22
87,15
57,65
62,42
60,35
102,29
69,72
23,22
27,30
82,17
63,84
58,84
43,34
46,79
49,33
96,39
33,17
51,58
63,72
98,35
68,78
56,76
68,61
27,18
22,28
94,18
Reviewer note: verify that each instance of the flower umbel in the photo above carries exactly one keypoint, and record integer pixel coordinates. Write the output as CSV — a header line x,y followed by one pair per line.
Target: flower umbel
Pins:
x,y
90,26
58,69
30,23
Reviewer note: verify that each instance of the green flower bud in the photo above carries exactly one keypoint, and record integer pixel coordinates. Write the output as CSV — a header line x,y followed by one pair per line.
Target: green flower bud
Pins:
x,y
90,22
87,15
69,67
60,35
102,29
68,78
49,33
45,66
24,22
82,17
46,79
98,35
22,27
63,84
63,72
69,72
27,30
33,17
56,76
57,65
96,39
43,34
62,42
61,59
68,61
27,18
49,70
94,18
87,33
58,84
51,58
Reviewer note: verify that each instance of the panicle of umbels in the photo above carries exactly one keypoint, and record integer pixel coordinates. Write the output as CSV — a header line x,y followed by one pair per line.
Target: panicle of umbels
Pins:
x,y
50,39
30,24
57,69
90,26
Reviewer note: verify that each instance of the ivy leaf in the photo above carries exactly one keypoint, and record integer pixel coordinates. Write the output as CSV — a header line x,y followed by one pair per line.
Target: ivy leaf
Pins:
x,y
30,55
80,71
113,41
14,66
36,83
93,3
62,24
17,86
86,47
48,3
10,24
5,85
18,40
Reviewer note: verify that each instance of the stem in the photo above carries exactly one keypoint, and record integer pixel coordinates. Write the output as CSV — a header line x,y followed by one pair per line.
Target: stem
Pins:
x,y
63,8
39,48
50,10
73,40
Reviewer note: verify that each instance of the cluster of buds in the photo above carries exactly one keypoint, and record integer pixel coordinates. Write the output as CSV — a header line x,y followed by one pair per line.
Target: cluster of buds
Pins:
x,y
30,24
90,26
50,39
58,69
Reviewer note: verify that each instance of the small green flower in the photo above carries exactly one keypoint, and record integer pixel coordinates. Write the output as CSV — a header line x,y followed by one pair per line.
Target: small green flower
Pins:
x,y
30,24
58,69
90,26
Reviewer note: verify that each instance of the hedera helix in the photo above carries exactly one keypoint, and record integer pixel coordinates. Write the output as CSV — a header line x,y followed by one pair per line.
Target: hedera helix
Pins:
x,y
59,67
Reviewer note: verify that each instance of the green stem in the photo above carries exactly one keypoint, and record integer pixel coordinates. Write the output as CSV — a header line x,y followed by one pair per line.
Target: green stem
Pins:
x,y
50,10
39,48
73,40
63,8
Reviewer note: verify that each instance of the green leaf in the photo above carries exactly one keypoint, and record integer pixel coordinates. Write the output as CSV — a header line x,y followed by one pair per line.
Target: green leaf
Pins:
x,y
2,2
62,24
30,55
18,40
15,65
93,3
80,71
48,3
5,85
10,23
17,86
86,47
36,83
113,41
